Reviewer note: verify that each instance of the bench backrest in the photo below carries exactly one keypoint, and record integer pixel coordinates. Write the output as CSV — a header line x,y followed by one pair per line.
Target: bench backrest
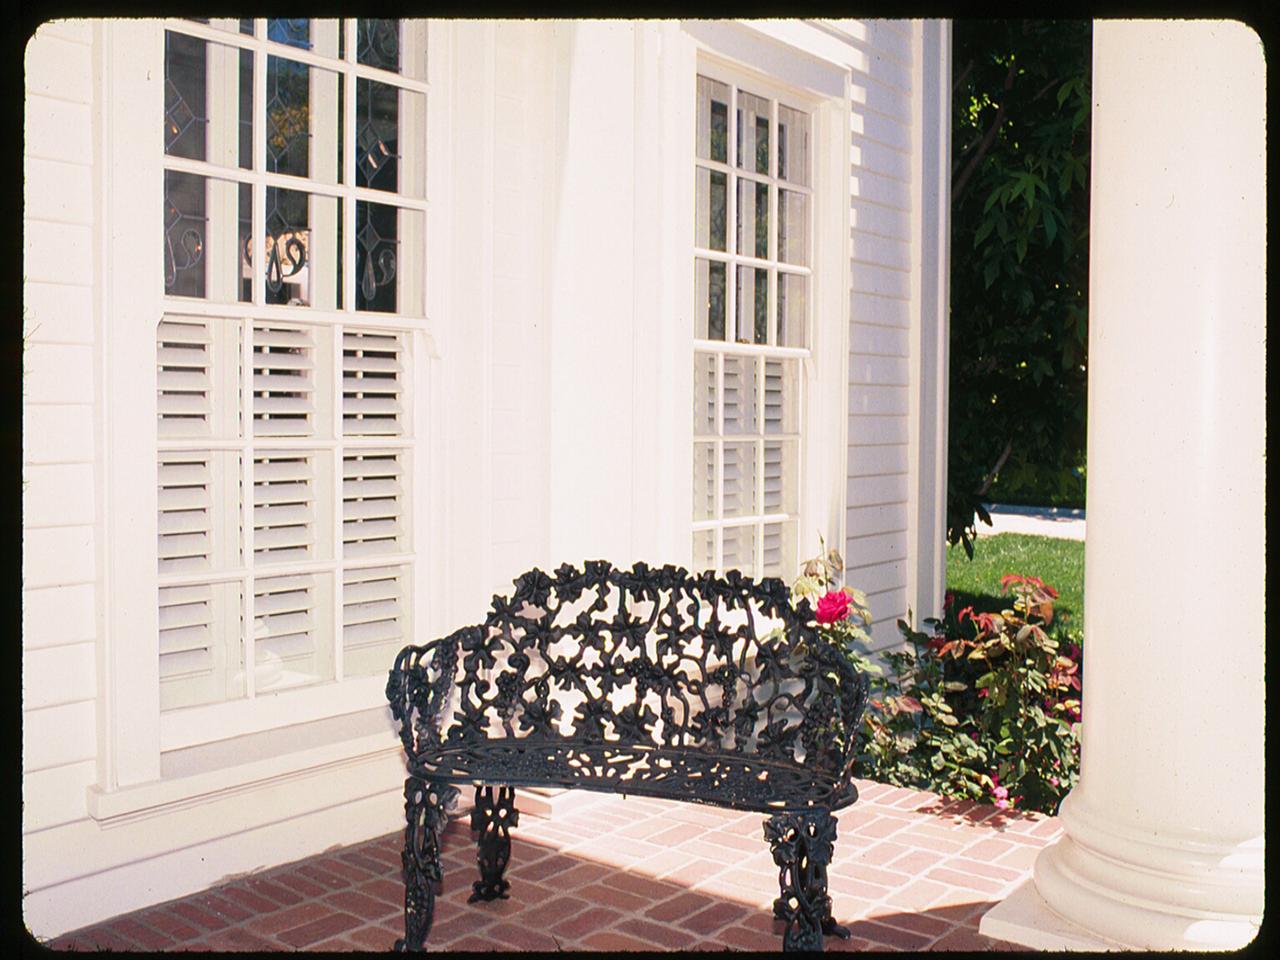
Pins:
x,y
654,658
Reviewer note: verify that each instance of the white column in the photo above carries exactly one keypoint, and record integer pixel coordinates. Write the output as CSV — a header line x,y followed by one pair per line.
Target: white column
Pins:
x,y
1164,831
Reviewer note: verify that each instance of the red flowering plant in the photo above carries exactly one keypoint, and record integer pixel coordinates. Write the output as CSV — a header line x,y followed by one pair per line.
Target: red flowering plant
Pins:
x,y
984,705
840,611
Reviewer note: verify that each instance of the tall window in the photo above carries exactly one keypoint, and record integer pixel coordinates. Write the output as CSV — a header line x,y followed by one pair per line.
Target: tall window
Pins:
x,y
751,326
294,227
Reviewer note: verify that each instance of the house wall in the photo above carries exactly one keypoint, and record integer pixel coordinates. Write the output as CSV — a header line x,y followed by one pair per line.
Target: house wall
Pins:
x,y
558,377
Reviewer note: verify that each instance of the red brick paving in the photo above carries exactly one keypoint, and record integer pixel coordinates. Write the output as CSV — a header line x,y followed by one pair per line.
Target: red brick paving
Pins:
x,y
911,871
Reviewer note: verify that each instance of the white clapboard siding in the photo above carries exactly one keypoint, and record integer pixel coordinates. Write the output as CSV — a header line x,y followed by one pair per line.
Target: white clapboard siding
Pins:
x,y
880,316
373,521
284,507
374,624
284,388
372,384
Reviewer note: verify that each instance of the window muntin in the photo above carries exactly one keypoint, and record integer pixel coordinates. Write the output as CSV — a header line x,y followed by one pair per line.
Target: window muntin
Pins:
x,y
752,277
284,435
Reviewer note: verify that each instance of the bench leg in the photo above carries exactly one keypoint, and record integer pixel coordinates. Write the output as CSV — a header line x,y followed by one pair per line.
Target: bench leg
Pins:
x,y
492,817
426,806
801,844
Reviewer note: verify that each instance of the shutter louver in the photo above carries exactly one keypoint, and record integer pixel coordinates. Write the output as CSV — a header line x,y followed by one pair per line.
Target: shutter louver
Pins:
x,y
372,521
704,394
373,620
185,522
283,507
184,398
371,384
283,381
740,395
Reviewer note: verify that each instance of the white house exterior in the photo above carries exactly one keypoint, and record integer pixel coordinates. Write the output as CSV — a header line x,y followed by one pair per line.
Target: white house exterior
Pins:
x,y
662,291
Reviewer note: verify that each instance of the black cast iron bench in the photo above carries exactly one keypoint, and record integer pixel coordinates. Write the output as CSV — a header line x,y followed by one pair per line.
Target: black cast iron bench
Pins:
x,y
649,682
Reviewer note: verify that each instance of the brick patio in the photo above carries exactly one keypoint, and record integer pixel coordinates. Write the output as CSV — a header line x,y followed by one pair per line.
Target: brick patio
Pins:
x,y
911,872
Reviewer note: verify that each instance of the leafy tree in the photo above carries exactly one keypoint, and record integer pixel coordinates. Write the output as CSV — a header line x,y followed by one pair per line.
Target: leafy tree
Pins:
x,y
1019,257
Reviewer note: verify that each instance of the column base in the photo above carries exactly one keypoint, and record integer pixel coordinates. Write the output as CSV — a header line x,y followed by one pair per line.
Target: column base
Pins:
x,y
1025,919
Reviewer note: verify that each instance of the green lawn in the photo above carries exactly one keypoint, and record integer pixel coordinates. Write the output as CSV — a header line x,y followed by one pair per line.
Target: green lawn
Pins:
x,y
1059,563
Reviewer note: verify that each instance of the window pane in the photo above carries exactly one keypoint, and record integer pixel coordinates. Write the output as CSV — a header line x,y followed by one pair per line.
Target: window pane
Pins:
x,y
201,649
752,324
705,477
291,520
740,475
704,394
740,549
711,209
740,395
709,305
322,37
793,307
793,227
293,645
386,281
793,145
373,379
704,550
208,103
197,378
713,120
206,227
378,43
781,476
753,219
199,511
780,550
286,371
390,127
753,132
302,110
374,618
304,257
781,396
373,515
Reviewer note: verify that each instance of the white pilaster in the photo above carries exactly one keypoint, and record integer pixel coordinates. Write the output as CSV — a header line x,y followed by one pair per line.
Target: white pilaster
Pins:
x,y
1164,832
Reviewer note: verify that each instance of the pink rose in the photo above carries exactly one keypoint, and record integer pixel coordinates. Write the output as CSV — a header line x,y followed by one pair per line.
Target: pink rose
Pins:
x,y
833,606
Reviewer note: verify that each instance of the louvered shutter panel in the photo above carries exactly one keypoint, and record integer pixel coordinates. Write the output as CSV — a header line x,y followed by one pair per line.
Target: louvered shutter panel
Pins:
x,y
283,380
704,394
372,504
372,381
283,507
740,395
373,618
184,358
740,549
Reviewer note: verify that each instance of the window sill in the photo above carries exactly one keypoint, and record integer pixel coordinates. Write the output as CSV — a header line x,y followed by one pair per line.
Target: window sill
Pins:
x,y
157,798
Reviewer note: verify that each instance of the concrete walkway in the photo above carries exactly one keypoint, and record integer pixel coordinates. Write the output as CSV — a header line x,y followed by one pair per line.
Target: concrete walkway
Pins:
x,y
1063,522
911,871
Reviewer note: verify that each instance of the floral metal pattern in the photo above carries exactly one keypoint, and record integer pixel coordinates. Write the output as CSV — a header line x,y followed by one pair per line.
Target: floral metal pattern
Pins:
x,y
645,682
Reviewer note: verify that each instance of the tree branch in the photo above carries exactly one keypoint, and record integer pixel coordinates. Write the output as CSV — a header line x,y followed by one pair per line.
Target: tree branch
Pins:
x,y
959,183
990,478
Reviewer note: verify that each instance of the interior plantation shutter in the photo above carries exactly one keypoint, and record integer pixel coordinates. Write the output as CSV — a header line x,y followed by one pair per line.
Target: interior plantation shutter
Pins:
x,y
328,457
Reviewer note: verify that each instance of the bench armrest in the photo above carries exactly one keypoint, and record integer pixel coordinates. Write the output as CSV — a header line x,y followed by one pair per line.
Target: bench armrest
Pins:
x,y
419,685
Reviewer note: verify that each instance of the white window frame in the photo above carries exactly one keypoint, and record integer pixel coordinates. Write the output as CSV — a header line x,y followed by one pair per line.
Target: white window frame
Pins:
x,y
822,87
130,159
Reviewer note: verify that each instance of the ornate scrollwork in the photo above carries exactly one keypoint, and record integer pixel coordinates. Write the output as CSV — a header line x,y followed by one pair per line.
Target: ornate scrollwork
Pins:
x,y
646,682
801,843
426,806
492,817
374,249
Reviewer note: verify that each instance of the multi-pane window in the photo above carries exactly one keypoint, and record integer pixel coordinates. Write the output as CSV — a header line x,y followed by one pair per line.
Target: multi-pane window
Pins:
x,y
294,230
752,282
